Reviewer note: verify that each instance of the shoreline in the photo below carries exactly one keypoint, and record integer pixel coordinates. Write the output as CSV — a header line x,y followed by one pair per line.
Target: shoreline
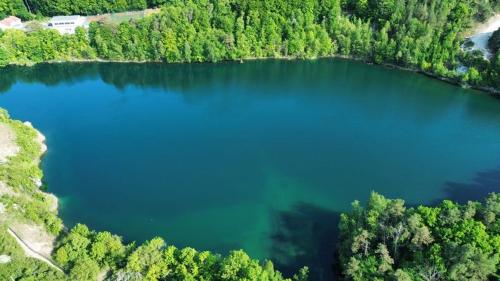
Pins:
x,y
32,236
40,139
486,90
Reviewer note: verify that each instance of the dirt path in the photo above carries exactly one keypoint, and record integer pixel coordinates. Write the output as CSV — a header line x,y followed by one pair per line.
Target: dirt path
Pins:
x,y
32,253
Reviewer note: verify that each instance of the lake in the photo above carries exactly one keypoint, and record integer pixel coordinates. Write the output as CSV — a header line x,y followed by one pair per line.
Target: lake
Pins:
x,y
260,155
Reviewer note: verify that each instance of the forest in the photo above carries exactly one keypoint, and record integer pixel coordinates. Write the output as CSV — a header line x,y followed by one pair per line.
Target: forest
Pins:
x,y
383,241
27,9
424,36
387,241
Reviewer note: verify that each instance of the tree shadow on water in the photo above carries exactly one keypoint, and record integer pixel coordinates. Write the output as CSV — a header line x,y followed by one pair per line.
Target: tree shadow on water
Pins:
x,y
481,185
306,235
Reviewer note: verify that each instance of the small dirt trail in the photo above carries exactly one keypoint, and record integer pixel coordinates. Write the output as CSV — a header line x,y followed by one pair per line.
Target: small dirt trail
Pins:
x,y
28,251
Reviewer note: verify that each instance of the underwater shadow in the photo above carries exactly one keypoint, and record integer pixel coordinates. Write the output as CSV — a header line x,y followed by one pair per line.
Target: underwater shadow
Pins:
x,y
484,183
306,235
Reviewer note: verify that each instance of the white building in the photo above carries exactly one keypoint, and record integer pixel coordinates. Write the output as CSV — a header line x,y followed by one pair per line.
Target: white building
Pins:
x,y
67,24
11,23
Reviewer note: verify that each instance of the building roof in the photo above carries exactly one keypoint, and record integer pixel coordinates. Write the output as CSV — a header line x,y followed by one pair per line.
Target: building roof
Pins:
x,y
65,18
10,21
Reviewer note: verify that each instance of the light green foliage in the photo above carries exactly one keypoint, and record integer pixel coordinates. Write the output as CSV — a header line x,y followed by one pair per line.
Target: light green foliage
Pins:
x,y
149,260
88,7
21,267
22,168
19,174
448,242
84,269
43,45
103,248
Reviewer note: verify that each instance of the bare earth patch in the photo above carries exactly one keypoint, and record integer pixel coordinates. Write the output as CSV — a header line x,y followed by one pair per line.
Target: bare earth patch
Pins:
x,y
4,189
36,237
29,251
8,146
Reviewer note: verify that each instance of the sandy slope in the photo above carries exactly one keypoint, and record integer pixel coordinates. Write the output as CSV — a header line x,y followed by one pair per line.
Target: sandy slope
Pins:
x,y
8,146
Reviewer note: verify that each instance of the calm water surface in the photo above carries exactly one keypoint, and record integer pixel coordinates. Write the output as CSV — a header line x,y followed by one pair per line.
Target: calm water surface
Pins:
x,y
260,156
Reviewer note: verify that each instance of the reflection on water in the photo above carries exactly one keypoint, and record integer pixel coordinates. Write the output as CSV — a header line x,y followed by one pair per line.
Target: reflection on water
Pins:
x,y
305,235
262,155
478,188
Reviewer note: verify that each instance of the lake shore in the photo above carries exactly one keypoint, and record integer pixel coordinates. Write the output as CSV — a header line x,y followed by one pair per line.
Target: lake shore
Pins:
x,y
456,82
32,237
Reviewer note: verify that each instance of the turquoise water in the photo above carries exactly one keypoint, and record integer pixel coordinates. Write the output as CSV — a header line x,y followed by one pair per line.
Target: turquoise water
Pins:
x,y
261,156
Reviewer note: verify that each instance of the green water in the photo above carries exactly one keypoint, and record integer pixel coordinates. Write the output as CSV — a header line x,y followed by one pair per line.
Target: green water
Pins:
x,y
261,156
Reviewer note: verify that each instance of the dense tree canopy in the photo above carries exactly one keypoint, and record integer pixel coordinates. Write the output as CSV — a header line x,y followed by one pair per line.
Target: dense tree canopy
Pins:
x,y
86,253
14,8
409,33
88,7
494,41
387,241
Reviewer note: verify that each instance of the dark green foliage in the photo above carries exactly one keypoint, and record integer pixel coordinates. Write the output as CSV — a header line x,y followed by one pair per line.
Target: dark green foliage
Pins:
x,y
419,35
494,42
88,7
387,241
14,8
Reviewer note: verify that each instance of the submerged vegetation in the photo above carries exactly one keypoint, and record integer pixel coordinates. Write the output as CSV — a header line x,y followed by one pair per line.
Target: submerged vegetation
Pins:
x,y
383,241
424,36
85,254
